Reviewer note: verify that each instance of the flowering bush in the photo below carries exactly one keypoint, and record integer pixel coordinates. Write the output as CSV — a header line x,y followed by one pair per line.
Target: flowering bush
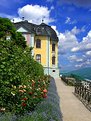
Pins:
x,y
46,110
22,80
31,94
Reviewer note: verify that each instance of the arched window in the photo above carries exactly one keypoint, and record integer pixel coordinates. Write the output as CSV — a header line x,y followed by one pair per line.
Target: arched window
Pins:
x,y
38,31
38,43
38,58
53,60
53,47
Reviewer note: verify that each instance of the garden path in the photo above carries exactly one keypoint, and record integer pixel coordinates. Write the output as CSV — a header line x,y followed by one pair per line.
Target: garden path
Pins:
x,y
72,108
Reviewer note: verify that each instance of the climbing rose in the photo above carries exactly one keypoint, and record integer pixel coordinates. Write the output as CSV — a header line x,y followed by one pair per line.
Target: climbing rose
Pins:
x,y
24,104
30,93
24,99
44,96
45,90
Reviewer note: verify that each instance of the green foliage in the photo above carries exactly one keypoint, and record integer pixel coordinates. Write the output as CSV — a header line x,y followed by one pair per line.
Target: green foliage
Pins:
x,y
7,29
22,80
19,40
84,73
77,78
46,110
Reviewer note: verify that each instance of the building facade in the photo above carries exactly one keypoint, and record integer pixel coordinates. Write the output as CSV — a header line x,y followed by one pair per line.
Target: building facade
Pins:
x,y
44,41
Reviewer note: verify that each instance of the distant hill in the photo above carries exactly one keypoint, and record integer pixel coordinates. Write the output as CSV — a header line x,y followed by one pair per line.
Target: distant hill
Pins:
x,y
84,73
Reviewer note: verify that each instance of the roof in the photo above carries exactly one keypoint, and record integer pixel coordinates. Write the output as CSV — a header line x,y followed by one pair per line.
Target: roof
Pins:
x,y
26,25
42,29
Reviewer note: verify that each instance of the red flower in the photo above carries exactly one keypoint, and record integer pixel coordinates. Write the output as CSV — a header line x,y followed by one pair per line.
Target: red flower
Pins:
x,y
44,96
24,104
45,90
33,84
30,93
24,99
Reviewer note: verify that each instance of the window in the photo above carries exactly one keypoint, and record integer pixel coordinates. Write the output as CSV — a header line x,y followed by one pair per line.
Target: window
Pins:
x,y
53,47
53,71
38,43
38,31
53,60
38,58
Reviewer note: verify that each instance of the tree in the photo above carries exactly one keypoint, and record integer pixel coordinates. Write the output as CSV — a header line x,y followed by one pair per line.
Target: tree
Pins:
x,y
7,29
19,40
77,77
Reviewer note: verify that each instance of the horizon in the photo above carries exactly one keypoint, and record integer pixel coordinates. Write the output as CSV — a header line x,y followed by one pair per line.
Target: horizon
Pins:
x,y
70,19
74,70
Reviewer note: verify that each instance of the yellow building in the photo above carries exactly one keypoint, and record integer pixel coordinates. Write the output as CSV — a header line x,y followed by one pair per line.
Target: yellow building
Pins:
x,y
44,41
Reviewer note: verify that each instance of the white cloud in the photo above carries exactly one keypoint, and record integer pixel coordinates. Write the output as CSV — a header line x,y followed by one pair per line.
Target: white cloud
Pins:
x,y
35,13
79,65
85,63
69,21
88,53
32,13
75,30
69,48
73,58
88,62
84,45
67,39
74,49
84,49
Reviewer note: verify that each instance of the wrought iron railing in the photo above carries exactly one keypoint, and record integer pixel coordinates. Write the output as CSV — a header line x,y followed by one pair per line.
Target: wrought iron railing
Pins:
x,y
83,94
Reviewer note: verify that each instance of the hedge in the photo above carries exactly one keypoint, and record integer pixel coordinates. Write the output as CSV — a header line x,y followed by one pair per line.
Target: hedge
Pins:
x,y
19,74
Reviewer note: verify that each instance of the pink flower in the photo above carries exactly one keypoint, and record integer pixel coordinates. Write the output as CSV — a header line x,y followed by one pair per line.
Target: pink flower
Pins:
x,y
45,90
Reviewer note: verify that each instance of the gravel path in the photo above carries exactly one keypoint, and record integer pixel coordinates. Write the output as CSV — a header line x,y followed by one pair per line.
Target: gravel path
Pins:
x,y
72,109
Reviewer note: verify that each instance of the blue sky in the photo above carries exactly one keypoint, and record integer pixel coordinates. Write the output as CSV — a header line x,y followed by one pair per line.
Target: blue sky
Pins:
x,y
71,19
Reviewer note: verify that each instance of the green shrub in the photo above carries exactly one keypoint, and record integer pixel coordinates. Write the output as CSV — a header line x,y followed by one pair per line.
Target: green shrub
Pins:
x,y
22,80
48,109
